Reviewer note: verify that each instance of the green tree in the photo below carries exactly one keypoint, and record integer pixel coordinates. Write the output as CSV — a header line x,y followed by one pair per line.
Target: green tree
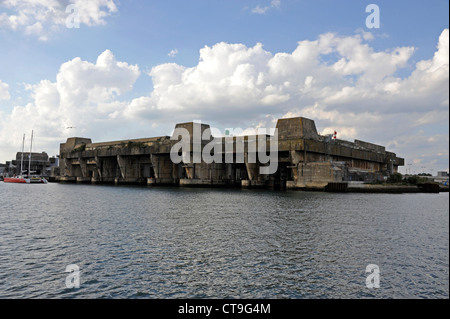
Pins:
x,y
395,178
414,180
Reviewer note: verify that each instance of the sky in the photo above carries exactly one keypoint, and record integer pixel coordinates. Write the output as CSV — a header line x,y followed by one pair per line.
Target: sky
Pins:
x,y
123,69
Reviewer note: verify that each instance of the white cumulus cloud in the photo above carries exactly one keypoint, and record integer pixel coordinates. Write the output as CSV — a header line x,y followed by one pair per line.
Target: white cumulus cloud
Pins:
x,y
42,17
262,10
4,91
173,53
332,73
84,96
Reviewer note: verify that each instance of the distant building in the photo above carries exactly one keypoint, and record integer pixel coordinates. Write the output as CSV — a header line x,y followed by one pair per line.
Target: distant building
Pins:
x,y
3,169
442,178
53,169
40,164
442,174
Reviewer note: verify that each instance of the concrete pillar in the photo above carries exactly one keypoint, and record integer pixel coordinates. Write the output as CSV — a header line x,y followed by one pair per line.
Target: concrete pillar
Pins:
x,y
83,166
252,169
163,169
230,172
64,167
121,165
190,170
98,167
295,160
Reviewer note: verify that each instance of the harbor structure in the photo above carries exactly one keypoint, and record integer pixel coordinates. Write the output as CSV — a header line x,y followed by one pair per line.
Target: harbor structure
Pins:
x,y
303,158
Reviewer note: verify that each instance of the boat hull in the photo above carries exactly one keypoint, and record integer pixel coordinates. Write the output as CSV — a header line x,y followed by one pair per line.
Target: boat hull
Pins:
x,y
16,180
25,180
38,181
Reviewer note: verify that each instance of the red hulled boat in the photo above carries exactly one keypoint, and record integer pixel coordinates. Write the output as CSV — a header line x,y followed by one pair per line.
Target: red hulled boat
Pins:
x,y
26,179
17,180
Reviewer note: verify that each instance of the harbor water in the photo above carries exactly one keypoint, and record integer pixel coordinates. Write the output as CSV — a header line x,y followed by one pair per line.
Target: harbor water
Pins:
x,y
162,242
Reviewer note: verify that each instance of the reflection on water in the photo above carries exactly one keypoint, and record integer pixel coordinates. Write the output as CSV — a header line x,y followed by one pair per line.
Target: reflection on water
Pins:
x,y
138,242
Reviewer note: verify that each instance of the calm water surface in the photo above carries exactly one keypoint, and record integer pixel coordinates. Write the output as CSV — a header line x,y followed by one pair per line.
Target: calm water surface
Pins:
x,y
138,242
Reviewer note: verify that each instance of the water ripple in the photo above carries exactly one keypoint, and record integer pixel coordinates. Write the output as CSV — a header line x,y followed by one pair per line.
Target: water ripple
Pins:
x,y
137,242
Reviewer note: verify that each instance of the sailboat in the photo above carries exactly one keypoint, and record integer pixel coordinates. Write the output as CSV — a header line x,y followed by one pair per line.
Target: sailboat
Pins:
x,y
34,179
21,179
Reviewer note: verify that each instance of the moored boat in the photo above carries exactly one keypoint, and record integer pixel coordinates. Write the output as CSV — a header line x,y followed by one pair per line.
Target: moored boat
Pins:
x,y
17,180
29,179
37,180
25,180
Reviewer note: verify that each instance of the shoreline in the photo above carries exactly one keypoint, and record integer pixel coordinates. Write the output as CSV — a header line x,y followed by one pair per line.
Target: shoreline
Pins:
x,y
342,187
380,188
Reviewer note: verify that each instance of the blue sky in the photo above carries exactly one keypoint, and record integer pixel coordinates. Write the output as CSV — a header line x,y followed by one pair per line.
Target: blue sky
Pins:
x,y
234,63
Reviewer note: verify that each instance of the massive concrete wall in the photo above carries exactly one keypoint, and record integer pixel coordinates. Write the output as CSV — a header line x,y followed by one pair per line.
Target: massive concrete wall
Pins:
x,y
304,158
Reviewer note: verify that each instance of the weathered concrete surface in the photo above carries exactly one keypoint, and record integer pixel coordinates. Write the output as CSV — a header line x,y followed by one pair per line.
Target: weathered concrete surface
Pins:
x,y
305,160
297,128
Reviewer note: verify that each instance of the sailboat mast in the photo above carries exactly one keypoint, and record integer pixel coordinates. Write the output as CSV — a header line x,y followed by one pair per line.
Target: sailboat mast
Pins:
x,y
29,157
21,161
